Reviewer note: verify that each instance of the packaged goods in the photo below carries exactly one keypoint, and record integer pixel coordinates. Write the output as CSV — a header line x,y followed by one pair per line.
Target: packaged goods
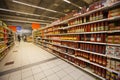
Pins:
x,y
117,66
117,52
104,61
113,51
108,63
110,39
110,50
70,51
108,75
113,63
103,73
114,12
117,39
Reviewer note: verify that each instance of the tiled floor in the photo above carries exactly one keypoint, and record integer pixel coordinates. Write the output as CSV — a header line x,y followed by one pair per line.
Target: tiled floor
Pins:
x,y
34,63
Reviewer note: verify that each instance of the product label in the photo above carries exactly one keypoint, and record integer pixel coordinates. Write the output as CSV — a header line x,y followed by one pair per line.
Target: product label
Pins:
x,y
98,39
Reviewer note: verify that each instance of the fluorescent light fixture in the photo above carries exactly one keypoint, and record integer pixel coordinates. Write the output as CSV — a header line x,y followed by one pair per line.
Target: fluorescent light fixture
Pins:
x,y
26,13
6,16
38,7
67,1
11,20
73,4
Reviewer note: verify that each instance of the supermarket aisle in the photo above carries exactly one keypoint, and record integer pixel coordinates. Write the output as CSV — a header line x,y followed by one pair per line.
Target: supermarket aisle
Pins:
x,y
26,61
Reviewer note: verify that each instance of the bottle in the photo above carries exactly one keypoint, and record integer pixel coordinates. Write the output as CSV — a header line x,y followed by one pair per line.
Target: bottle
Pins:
x,y
80,20
104,63
98,26
84,19
100,59
99,38
97,59
103,73
97,48
100,15
89,28
106,26
92,38
91,57
95,27
102,28
99,71
91,17
94,58
96,18
92,28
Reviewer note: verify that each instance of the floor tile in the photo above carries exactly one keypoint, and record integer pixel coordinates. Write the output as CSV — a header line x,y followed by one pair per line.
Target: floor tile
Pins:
x,y
44,79
26,74
4,77
48,72
28,78
56,69
61,74
15,77
75,75
67,78
68,69
53,77
16,73
39,76
36,70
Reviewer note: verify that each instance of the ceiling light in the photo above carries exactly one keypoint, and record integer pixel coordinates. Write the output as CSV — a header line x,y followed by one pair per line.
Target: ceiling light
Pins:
x,y
73,4
67,1
9,16
26,13
55,4
66,10
11,20
30,5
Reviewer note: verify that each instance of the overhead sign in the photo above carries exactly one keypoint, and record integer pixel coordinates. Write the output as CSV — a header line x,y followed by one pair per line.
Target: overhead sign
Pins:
x,y
35,25
19,28
13,28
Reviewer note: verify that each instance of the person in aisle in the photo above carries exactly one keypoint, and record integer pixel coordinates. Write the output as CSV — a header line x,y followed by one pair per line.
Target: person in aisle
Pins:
x,y
24,38
19,38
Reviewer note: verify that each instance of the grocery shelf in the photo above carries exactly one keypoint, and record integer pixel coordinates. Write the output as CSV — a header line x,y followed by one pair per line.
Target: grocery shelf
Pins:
x,y
97,32
91,42
85,14
90,52
4,50
107,19
113,57
113,31
78,49
56,36
113,71
85,60
109,44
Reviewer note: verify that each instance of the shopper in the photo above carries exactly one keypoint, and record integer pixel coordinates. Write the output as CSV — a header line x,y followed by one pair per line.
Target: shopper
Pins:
x,y
19,38
24,38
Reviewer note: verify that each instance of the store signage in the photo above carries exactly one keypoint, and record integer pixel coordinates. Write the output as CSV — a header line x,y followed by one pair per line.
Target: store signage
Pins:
x,y
13,28
19,28
35,26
